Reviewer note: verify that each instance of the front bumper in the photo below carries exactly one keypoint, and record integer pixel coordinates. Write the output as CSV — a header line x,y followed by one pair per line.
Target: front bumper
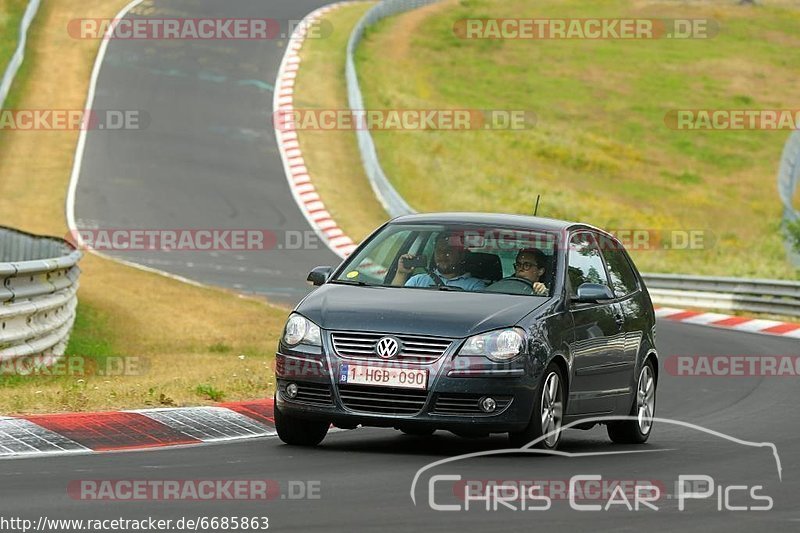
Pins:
x,y
451,401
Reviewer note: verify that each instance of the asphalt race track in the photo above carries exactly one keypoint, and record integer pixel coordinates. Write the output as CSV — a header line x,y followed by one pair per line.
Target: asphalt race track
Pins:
x,y
365,475
208,159
205,155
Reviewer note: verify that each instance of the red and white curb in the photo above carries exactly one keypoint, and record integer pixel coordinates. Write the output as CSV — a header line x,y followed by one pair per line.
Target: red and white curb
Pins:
x,y
738,323
68,433
300,182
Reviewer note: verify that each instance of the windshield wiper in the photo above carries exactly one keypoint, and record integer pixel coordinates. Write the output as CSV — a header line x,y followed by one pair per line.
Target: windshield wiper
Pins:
x,y
350,282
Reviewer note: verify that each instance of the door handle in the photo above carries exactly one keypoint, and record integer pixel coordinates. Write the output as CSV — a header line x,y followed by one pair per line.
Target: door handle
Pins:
x,y
619,319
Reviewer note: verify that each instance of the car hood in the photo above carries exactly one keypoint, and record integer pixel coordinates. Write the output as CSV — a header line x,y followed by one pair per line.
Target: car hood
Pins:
x,y
419,311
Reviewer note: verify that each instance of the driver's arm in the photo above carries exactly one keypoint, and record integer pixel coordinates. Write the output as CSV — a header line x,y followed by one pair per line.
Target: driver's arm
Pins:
x,y
401,276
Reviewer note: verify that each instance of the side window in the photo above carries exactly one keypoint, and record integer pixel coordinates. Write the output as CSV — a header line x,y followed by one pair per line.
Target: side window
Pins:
x,y
623,279
585,263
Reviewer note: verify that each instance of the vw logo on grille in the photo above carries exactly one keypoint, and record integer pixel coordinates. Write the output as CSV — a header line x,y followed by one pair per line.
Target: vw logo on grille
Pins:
x,y
387,347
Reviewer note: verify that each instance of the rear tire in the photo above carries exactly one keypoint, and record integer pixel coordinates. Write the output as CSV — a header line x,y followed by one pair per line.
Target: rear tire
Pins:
x,y
548,413
299,432
643,408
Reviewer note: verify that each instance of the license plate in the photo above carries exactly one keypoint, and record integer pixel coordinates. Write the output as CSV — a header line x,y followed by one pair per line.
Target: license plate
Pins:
x,y
383,377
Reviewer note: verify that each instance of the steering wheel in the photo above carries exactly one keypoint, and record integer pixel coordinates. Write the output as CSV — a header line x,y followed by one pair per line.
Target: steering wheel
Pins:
x,y
512,286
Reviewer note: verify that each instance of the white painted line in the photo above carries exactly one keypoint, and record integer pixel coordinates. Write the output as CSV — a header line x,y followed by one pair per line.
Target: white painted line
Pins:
x,y
79,150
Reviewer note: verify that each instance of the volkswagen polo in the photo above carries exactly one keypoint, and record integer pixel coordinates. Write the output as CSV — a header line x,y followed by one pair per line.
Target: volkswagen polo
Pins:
x,y
474,324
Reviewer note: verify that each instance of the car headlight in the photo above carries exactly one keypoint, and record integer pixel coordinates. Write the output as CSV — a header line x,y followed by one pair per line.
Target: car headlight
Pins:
x,y
500,345
299,330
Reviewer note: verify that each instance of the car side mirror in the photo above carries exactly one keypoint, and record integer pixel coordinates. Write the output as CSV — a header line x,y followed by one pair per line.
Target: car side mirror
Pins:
x,y
319,275
593,293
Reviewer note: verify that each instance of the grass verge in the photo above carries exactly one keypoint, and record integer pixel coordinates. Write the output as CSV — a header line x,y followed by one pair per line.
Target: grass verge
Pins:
x,y
600,151
183,345
11,12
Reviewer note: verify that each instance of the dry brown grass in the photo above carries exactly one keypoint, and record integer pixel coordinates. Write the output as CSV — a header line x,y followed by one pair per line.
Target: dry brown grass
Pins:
x,y
188,336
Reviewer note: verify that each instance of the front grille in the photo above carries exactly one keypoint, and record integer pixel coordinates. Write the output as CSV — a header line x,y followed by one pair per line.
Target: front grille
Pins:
x,y
313,393
382,400
467,404
415,348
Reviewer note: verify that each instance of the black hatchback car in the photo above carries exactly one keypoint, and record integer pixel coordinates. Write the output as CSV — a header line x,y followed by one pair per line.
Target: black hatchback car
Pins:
x,y
475,324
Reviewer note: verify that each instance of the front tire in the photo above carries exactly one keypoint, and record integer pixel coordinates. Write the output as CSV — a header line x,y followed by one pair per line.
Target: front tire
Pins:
x,y
299,432
548,413
644,407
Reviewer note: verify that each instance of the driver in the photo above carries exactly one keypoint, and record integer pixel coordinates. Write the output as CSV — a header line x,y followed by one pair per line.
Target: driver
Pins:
x,y
450,260
529,267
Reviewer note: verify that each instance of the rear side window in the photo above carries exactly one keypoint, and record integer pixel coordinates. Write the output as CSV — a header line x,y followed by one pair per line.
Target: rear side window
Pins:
x,y
585,263
623,279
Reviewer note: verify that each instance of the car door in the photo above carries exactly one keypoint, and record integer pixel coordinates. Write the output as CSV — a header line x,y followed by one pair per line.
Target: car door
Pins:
x,y
625,284
598,336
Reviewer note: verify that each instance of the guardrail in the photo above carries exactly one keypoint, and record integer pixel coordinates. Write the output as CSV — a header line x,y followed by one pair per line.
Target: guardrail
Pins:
x,y
38,296
725,294
19,53
788,178
392,202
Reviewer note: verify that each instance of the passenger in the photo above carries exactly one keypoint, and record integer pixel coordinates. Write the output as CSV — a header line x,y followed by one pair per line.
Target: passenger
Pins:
x,y
450,260
529,266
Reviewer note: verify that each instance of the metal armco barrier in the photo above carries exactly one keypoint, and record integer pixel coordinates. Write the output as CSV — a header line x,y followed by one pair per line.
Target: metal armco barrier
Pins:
x,y
392,202
725,294
38,295
788,178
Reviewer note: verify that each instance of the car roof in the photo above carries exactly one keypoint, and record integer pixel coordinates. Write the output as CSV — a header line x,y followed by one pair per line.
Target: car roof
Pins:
x,y
491,219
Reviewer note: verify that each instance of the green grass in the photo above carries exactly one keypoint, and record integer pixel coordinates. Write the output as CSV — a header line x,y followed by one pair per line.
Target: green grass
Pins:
x,y
208,392
90,352
600,151
91,335
11,12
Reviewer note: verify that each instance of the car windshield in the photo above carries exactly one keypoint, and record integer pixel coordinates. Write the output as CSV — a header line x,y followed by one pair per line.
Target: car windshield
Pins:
x,y
456,258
